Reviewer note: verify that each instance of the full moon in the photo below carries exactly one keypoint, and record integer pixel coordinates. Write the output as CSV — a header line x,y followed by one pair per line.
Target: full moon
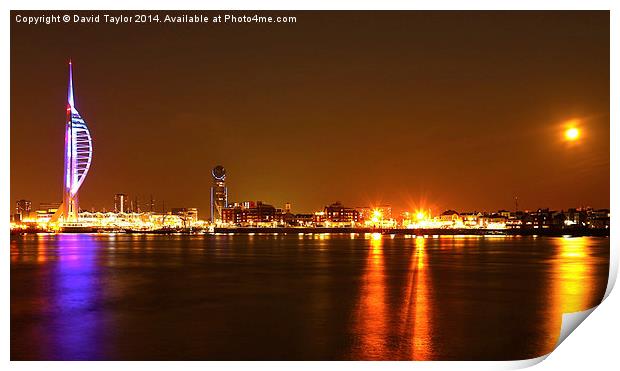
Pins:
x,y
571,134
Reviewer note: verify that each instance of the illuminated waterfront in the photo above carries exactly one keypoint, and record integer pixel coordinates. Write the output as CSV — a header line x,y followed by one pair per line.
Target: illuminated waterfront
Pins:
x,y
320,296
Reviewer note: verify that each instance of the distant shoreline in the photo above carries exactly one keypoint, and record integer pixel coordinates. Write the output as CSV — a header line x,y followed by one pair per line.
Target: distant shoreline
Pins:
x,y
425,232
550,232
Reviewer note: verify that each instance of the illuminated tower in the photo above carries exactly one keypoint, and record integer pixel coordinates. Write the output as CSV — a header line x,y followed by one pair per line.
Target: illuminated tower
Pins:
x,y
219,193
120,203
78,156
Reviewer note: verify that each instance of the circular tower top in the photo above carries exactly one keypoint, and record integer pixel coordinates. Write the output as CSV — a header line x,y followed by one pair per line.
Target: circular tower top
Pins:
x,y
218,172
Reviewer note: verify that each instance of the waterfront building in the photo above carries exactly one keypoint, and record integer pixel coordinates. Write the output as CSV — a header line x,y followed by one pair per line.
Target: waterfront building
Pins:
x,y
43,216
364,212
450,219
259,214
23,208
49,206
303,220
192,214
472,219
493,221
120,203
232,215
188,214
598,218
337,214
514,223
505,213
558,218
285,217
576,217
542,218
78,155
219,193
135,220
46,211
449,215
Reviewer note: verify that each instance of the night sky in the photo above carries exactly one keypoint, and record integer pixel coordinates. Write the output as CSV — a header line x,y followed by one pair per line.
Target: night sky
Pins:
x,y
459,110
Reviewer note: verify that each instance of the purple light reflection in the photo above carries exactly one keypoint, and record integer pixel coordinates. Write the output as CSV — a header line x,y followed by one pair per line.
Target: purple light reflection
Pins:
x,y
77,324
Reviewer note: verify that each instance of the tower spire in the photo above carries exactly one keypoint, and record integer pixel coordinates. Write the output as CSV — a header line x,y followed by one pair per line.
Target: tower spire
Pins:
x,y
70,95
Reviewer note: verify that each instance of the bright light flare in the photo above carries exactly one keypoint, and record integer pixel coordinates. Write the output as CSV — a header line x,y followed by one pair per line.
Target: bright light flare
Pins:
x,y
377,216
572,134
572,130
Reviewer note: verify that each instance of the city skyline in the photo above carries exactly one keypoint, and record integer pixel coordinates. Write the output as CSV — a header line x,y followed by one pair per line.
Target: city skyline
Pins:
x,y
160,132
217,185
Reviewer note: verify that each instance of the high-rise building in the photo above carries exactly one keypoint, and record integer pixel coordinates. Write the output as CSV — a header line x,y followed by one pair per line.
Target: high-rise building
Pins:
x,y
219,193
78,155
23,208
120,203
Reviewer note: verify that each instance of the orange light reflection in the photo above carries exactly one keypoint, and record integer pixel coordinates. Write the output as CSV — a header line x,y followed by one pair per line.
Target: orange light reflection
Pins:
x,y
371,314
570,291
421,348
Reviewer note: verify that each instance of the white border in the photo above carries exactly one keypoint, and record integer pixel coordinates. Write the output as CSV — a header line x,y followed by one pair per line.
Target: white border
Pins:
x,y
597,335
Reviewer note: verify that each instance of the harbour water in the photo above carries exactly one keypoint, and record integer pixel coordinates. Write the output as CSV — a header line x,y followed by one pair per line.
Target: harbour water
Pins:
x,y
297,297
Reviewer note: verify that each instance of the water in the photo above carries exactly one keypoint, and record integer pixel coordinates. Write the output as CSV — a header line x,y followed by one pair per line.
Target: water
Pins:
x,y
297,297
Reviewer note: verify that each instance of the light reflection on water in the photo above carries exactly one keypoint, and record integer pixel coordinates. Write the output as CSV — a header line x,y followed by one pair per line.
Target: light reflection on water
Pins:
x,y
411,319
371,322
295,296
571,269
76,286
422,345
